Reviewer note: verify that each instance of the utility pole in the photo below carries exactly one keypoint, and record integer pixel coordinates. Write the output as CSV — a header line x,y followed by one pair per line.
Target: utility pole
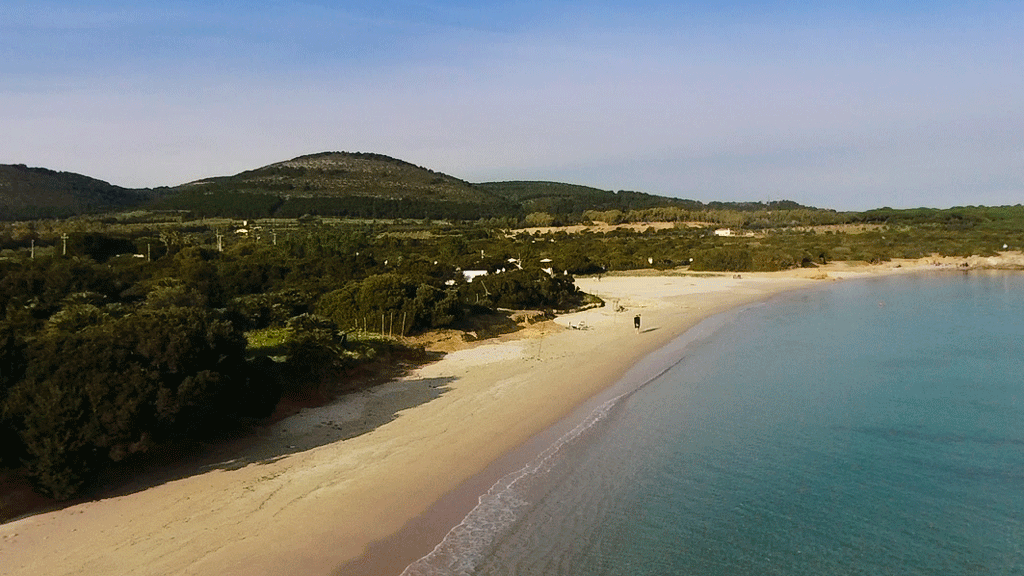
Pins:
x,y
33,250
64,244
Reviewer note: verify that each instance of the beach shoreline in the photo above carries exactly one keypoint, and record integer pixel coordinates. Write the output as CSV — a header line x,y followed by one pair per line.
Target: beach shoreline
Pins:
x,y
655,297
422,533
335,506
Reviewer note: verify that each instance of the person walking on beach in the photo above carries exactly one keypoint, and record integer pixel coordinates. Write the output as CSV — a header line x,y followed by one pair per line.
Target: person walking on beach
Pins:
x,y
636,323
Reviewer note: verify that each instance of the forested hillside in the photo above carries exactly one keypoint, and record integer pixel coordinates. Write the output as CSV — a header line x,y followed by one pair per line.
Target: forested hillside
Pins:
x,y
331,184
27,193
341,184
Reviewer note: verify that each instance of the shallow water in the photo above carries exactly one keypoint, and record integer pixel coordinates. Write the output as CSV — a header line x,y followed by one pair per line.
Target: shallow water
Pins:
x,y
873,427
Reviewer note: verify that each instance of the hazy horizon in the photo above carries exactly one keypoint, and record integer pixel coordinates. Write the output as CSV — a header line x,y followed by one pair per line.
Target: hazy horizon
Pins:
x,y
851,106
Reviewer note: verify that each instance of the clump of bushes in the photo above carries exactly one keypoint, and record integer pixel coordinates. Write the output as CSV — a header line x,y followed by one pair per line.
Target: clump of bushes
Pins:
x,y
103,391
391,304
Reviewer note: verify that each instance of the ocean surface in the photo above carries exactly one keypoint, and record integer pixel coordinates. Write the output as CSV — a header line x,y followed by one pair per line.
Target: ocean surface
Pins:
x,y
870,427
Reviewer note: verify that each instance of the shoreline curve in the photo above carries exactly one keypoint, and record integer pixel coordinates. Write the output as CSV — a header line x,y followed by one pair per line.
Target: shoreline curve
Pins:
x,y
333,508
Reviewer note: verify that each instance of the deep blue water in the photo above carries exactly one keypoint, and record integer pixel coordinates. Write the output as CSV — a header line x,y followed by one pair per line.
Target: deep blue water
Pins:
x,y
872,427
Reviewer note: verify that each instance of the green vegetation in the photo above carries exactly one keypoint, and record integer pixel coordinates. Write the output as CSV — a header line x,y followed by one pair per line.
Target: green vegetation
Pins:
x,y
570,201
40,193
340,185
126,331
104,354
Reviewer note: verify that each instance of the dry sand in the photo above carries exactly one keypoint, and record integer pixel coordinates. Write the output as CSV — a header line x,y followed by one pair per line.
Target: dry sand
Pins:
x,y
322,486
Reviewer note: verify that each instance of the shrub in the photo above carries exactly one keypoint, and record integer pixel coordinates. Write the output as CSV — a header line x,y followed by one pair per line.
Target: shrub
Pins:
x,y
522,289
723,259
106,390
418,305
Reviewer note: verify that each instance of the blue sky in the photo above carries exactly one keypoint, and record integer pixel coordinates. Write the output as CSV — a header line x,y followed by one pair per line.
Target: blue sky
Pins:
x,y
851,106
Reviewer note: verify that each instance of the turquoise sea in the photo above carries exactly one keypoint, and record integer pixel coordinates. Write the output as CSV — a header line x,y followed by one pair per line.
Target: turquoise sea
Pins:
x,y
869,427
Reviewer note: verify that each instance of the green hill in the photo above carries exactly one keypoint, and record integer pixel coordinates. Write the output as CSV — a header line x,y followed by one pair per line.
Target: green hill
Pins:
x,y
339,184
339,174
27,193
559,198
351,184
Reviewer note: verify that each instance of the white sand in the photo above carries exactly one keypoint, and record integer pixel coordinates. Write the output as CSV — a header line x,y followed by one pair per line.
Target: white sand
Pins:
x,y
355,472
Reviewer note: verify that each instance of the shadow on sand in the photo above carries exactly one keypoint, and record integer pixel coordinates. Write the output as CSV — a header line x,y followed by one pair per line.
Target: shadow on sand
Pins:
x,y
299,424
349,415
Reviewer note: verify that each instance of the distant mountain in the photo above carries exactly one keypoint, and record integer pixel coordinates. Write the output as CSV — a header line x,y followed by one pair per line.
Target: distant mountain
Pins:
x,y
41,193
341,184
338,174
352,184
559,198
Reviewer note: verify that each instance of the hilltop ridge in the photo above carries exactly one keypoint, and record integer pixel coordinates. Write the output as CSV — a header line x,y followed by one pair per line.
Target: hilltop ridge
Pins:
x,y
336,174
337,184
43,193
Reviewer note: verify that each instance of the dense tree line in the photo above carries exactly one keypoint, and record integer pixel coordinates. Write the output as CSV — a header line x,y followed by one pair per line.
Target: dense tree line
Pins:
x,y
117,337
364,207
95,388
569,201
104,355
42,193
290,203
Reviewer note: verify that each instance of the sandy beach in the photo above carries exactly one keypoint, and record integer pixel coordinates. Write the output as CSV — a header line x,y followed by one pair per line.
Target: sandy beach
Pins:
x,y
319,489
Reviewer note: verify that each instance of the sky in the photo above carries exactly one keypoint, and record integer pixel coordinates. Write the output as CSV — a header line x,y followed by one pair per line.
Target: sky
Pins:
x,y
844,105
